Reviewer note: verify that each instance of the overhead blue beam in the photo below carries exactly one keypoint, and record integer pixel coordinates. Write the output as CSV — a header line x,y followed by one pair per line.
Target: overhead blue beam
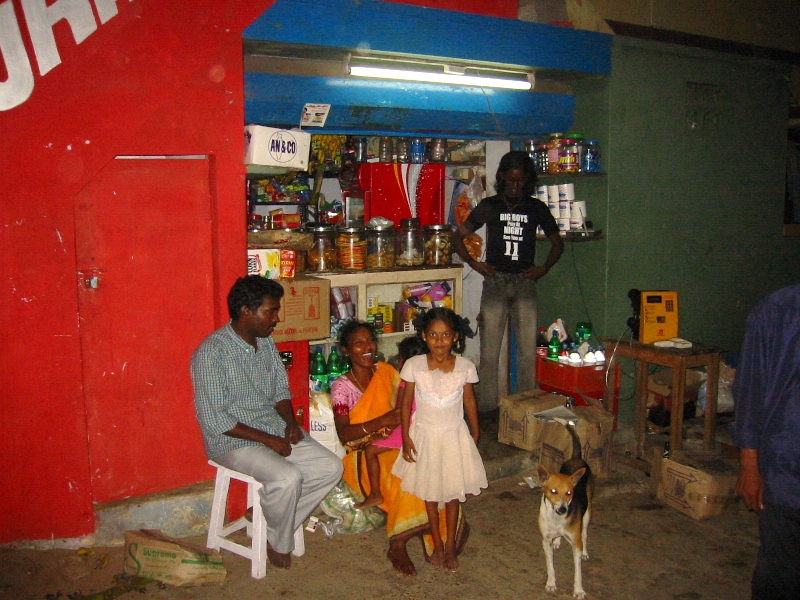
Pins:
x,y
405,29
388,108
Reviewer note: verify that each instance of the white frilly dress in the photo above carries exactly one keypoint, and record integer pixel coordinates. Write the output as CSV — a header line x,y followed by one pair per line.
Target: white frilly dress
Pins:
x,y
448,464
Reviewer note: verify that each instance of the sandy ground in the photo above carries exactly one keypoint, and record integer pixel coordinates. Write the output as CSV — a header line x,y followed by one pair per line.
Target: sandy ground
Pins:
x,y
638,550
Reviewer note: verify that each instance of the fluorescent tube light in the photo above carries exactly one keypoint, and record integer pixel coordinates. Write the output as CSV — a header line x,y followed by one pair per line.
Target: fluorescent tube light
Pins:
x,y
400,71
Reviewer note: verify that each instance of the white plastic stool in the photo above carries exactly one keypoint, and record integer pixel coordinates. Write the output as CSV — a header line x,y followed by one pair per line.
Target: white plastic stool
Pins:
x,y
218,532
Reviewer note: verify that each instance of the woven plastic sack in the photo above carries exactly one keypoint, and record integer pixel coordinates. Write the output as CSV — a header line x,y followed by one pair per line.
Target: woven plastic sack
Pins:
x,y
338,505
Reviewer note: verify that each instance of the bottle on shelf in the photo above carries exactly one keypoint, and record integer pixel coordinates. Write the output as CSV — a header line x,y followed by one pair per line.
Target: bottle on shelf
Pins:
x,y
554,347
318,374
334,366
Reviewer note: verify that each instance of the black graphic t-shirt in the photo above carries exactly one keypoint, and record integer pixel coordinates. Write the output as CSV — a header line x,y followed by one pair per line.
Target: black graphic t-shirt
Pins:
x,y
511,230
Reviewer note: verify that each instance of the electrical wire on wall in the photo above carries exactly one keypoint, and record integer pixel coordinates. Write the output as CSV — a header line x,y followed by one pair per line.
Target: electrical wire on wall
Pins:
x,y
609,359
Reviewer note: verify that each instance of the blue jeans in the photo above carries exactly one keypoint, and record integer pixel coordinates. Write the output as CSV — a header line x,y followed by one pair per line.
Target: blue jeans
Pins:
x,y
506,298
777,573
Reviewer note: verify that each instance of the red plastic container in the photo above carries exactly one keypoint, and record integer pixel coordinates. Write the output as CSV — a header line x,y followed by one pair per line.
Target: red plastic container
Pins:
x,y
570,380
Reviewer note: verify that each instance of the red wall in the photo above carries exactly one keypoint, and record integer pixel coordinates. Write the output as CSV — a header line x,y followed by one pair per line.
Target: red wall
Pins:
x,y
159,78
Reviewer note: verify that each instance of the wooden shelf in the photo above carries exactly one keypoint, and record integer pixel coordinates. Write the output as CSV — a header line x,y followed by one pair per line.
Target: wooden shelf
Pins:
x,y
591,235
578,175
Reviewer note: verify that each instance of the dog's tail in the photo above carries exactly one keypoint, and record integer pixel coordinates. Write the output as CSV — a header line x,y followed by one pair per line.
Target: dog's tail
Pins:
x,y
576,442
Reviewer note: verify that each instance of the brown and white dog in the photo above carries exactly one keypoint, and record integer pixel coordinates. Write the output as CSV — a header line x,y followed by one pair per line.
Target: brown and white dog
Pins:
x,y
565,512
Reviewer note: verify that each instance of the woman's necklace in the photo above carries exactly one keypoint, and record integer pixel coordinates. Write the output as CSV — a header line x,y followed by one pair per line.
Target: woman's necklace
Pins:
x,y
351,374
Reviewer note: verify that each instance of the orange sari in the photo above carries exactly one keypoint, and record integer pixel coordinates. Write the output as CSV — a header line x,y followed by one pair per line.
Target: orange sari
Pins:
x,y
405,513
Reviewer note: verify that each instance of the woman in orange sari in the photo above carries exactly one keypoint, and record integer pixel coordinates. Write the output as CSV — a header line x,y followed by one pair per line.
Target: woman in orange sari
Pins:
x,y
364,406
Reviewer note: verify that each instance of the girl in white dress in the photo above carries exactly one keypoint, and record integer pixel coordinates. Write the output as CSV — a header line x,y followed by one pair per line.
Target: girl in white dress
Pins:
x,y
440,462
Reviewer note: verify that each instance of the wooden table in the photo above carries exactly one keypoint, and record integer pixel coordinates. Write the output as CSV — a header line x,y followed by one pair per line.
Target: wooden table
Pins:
x,y
678,359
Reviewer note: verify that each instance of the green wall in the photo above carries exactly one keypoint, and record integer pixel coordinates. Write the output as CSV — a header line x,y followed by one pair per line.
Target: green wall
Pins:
x,y
693,209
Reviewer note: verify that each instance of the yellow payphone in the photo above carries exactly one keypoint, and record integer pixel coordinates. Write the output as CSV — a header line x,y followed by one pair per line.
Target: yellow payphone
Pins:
x,y
658,316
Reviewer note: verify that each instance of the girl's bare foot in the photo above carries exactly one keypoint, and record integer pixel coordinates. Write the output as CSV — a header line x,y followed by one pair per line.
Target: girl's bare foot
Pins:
x,y
450,560
400,560
437,558
369,502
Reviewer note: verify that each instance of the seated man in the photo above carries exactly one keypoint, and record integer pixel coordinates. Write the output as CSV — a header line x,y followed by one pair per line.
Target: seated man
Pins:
x,y
241,394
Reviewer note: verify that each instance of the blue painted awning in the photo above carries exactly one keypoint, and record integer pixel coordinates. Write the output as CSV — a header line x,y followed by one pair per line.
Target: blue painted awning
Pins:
x,y
373,107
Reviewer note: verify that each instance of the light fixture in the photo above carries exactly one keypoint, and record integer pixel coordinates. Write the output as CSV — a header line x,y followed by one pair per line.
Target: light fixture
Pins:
x,y
433,72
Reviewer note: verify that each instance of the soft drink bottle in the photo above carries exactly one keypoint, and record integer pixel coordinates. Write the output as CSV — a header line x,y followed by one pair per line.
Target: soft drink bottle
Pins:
x,y
541,342
554,347
334,367
318,374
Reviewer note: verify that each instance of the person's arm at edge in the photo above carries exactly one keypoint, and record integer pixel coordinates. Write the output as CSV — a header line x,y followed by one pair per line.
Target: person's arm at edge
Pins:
x,y
750,484
461,249
409,450
471,411
556,250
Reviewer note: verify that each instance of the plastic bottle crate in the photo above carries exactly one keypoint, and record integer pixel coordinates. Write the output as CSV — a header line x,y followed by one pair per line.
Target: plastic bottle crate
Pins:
x,y
571,380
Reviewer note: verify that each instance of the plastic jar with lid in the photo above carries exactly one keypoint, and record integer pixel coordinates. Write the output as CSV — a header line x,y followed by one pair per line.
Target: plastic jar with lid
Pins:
x,y
351,248
553,148
386,150
568,156
380,247
438,249
321,256
438,148
401,151
591,157
409,244
541,160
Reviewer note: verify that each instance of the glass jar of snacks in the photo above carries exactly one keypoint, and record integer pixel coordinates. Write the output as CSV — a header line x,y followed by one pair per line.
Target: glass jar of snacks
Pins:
x,y
380,247
351,248
409,244
322,254
438,249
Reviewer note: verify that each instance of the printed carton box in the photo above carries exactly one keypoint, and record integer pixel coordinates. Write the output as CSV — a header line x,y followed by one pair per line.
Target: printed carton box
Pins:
x,y
518,426
276,147
699,484
152,554
595,431
305,310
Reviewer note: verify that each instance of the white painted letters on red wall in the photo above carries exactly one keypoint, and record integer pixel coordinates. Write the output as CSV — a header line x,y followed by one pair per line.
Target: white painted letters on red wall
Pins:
x,y
40,19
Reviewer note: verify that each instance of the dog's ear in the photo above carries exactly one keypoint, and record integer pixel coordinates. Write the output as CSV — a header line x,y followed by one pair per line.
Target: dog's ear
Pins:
x,y
576,476
543,473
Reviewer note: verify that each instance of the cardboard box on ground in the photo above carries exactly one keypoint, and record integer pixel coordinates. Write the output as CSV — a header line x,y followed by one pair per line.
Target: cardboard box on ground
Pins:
x,y
519,428
699,484
152,554
659,395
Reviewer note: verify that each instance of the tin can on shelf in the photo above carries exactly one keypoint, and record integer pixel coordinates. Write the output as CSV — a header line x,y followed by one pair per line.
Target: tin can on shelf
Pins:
x,y
438,249
321,256
351,248
409,244
380,247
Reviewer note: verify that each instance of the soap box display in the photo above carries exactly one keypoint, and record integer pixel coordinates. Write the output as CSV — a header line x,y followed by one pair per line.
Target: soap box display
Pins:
x,y
276,147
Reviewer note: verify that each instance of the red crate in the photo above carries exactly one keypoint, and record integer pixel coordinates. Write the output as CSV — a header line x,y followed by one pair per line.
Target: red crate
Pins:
x,y
570,380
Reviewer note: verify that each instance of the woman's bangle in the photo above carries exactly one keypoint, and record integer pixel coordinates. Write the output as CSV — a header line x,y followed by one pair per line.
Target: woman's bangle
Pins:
x,y
364,429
